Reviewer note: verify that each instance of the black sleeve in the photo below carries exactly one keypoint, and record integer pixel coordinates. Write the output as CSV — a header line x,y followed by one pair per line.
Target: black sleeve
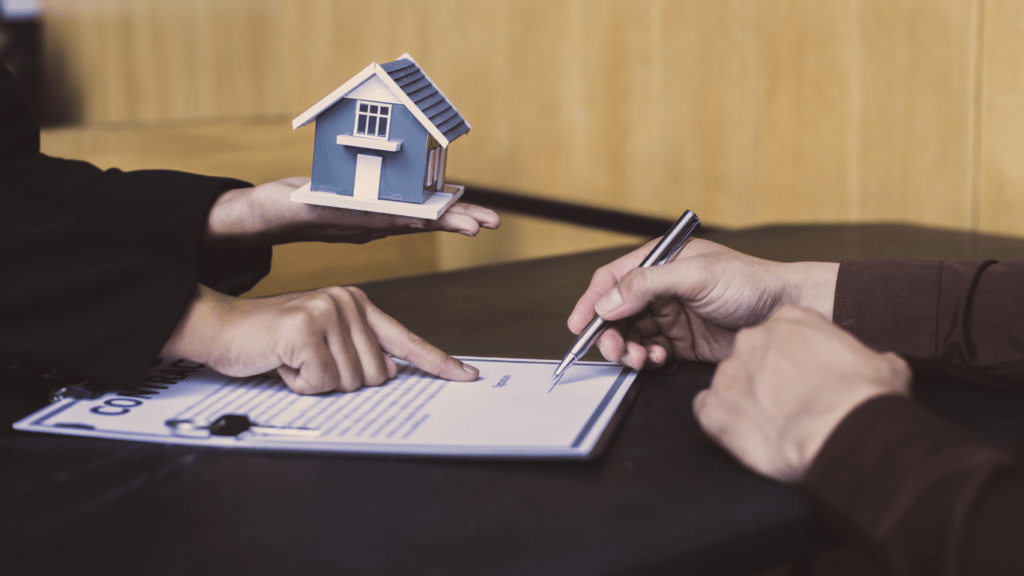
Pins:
x,y
98,266
920,495
916,492
966,316
163,211
86,302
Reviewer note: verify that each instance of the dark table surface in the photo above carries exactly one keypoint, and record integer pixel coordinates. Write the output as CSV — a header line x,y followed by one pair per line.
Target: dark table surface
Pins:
x,y
662,499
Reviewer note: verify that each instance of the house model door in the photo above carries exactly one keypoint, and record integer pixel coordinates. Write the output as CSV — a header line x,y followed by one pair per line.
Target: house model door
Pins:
x,y
367,185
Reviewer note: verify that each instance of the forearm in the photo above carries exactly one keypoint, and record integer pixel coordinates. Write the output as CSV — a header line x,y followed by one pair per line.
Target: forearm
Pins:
x,y
914,492
966,314
993,527
164,211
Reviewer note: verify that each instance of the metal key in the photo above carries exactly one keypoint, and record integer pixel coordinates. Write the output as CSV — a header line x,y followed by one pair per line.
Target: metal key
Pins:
x,y
235,424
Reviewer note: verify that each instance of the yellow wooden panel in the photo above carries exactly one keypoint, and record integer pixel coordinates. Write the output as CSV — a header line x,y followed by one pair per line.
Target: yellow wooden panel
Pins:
x,y
801,111
521,87
561,102
522,238
309,265
630,105
916,99
253,151
1001,184
702,145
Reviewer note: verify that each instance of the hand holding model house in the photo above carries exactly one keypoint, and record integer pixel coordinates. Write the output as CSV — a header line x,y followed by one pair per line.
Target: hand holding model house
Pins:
x,y
380,152
264,215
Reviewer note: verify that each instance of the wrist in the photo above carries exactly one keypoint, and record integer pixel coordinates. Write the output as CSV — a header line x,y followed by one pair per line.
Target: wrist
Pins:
x,y
262,215
231,220
813,285
194,336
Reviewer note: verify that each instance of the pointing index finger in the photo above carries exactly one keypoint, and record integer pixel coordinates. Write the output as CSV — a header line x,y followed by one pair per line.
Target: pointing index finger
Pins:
x,y
400,342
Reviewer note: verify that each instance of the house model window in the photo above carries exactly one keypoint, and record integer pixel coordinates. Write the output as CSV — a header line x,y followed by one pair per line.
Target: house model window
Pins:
x,y
372,120
435,168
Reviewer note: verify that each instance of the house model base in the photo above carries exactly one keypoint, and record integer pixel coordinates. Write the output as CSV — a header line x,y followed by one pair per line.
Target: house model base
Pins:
x,y
430,210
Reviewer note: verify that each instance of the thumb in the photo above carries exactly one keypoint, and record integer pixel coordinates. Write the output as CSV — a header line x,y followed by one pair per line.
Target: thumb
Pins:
x,y
400,342
639,288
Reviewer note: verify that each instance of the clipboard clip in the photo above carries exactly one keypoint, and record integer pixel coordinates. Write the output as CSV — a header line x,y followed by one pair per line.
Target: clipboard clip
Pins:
x,y
235,425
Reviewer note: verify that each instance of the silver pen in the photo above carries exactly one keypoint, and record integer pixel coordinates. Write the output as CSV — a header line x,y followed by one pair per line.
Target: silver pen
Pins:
x,y
669,246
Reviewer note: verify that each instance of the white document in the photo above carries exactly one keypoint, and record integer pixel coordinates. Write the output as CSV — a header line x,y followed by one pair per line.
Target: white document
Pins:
x,y
512,410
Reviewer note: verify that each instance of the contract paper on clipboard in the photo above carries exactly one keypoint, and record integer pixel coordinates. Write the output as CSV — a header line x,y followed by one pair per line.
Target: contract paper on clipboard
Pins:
x,y
512,410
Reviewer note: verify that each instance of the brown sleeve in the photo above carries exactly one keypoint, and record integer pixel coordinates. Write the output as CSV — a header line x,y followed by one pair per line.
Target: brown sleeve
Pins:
x,y
918,494
967,314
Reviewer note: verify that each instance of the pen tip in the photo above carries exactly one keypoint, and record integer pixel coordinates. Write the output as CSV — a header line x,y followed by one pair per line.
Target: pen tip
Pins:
x,y
569,358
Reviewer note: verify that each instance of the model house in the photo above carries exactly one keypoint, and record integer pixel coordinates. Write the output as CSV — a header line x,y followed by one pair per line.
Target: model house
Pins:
x,y
381,143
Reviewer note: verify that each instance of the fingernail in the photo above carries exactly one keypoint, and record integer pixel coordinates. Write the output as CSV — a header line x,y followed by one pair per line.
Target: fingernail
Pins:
x,y
466,233
608,302
472,370
625,360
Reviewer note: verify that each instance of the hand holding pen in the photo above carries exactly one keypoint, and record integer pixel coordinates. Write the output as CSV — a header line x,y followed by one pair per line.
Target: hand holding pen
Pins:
x,y
669,245
692,307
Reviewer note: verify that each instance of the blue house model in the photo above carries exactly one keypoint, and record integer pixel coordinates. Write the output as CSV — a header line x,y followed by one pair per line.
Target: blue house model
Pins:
x,y
381,143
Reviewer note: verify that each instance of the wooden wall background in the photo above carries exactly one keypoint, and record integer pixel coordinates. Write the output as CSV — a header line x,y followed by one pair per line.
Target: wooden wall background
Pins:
x,y
747,111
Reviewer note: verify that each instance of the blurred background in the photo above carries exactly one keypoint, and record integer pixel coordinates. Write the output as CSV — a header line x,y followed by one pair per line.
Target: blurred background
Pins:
x,y
749,112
